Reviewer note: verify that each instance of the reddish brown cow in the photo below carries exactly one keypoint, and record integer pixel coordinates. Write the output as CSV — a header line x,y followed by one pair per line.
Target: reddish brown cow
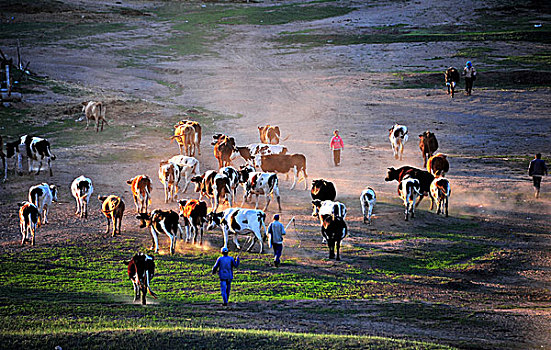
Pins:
x,y
224,146
428,145
141,191
438,165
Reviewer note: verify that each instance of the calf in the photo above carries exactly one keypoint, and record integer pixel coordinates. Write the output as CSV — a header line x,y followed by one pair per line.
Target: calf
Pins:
x,y
409,189
258,183
214,186
82,189
425,178
440,190
185,136
34,149
113,209
283,163
141,270
334,230
159,222
438,165
328,208
368,200
169,175
28,221
198,133
224,147
398,136
452,77
428,145
188,166
323,190
238,221
141,192
42,197
194,213
93,111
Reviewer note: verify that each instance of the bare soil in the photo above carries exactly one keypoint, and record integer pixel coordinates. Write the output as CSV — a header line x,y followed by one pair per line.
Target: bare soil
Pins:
x,y
487,136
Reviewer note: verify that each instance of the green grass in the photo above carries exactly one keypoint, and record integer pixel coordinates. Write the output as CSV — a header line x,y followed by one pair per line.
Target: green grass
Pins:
x,y
48,32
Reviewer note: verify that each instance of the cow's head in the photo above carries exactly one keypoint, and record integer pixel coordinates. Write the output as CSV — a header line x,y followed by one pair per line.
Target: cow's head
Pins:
x,y
181,204
392,174
102,198
319,183
53,189
316,204
214,219
244,172
145,219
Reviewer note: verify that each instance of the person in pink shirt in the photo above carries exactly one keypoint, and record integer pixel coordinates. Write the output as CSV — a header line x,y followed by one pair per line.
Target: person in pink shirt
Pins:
x,y
337,146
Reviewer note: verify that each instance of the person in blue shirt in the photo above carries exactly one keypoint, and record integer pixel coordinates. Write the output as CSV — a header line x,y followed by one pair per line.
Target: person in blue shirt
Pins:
x,y
224,266
276,232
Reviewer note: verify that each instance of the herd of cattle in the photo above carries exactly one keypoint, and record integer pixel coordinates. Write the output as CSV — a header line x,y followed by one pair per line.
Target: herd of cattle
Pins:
x,y
259,176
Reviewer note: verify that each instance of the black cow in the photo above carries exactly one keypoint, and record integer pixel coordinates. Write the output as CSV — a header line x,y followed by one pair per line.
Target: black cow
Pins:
x,y
323,190
141,270
334,229
428,144
425,178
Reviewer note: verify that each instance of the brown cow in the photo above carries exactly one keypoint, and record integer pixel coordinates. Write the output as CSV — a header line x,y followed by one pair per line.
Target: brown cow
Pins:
x,y
113,209
198,132
185,136
141,191
428,145
438,165
94,111
224,146
194,213
270,134
283,163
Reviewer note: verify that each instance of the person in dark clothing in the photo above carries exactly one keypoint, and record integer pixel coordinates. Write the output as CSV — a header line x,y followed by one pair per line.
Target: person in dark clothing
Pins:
x,y
276,232
224,266
537,169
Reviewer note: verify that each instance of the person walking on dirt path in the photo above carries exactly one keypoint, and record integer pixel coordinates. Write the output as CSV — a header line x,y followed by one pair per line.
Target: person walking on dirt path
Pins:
x,y
276,232
337,146
470,76
537,169
224,266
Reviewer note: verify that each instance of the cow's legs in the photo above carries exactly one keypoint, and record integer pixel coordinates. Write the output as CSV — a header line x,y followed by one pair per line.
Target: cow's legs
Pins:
x,y
369,212
32,229
5,164
406,204
136,290
295,176
413,207
331,245
338,247
236,242
23,232
108,223
251,239
446,204
155,238
170,236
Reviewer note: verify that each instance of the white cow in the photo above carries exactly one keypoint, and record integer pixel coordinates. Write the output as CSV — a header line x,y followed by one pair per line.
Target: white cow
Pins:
x,y
35,149
233,175
367,200
189,167
398,136
82,190
42,197
238,221
440,191
169,175
409,189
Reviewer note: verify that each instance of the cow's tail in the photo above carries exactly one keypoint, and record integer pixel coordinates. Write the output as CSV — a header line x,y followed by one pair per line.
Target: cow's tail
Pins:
x,y
262,219
148,287
148,194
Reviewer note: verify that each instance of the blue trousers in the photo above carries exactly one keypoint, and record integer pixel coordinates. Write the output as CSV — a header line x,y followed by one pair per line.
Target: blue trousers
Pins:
x,y
278,248
225,288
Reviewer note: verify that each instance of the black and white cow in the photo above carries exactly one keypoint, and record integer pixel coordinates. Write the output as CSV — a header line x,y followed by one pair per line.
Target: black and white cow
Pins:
x,y
162,222
28,221
238,221
194,213
169,175
334,230
141,270
233,175
398,136
258,183
409,189
42,197
34,149
425,178
368,200
82,190
440,191
328,208
214,186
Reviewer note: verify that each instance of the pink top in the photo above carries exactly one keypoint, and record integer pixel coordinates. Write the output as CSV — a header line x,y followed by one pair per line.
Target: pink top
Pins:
x,y
336,143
